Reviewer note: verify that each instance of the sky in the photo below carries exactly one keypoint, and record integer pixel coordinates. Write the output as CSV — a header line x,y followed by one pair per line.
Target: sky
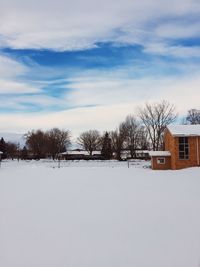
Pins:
x,y
83,65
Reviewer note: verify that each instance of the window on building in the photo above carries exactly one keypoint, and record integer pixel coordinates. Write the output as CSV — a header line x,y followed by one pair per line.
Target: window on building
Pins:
x,y
160,160
183,148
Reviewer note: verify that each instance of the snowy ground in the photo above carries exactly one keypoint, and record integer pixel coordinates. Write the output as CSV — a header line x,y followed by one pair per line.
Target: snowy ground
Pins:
x,y
97,214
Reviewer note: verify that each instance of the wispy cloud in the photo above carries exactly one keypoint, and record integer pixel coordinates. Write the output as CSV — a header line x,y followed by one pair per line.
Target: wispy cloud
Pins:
x,y
10,73
176,51
8,87
104,91
10,68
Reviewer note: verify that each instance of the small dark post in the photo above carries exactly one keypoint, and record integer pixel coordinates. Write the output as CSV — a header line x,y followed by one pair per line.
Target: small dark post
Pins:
x,y
59,161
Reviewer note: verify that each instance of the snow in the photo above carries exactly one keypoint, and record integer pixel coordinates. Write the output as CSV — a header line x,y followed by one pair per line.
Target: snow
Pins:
x,y
94,214
184,130
159,153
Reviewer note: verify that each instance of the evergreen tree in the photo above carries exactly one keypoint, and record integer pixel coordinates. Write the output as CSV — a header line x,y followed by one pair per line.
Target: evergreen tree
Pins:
x,y
106,147
3,148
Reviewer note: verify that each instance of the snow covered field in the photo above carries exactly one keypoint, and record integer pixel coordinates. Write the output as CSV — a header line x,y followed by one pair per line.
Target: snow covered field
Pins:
x,y
97,214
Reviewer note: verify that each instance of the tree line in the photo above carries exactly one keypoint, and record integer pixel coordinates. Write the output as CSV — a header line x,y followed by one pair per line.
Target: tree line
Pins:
x,y
143,131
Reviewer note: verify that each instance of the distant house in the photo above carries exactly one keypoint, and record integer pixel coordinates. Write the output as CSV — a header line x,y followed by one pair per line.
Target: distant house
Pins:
x,y
139,154
182,148
79,154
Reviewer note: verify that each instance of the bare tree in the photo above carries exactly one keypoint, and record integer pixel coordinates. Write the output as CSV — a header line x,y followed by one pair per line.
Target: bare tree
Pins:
x,y
90,140
142,138
193,116
156,117
36,141
12,150
24,153
118,138
58,141
130,129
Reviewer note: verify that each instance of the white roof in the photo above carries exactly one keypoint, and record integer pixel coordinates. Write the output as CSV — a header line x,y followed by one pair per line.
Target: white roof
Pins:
x,y
75,152
136,151
1,152
159,153
184,130
80,152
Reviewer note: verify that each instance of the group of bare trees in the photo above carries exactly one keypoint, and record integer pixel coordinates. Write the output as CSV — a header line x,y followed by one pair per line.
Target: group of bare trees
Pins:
x,y
129,135
141,131
135,133
49,143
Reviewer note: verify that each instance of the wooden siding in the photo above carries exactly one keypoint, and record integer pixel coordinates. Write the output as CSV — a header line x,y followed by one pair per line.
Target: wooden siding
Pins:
x,y
172,145
157,166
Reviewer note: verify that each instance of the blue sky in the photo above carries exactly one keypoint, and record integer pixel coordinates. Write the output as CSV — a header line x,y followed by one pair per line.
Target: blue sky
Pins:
x,y
88,64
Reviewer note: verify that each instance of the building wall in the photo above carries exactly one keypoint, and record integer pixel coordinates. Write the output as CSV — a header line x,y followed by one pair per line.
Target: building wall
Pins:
x,y
169,144
172,145
192,161
156,166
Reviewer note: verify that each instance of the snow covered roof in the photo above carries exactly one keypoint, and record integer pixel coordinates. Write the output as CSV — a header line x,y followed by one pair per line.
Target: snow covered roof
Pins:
x,y
159,153
80,152
75,152
1,152
184,130
136,151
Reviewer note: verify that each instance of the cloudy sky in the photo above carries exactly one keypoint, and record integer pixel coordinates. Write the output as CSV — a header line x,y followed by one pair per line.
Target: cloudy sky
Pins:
x,y
87,64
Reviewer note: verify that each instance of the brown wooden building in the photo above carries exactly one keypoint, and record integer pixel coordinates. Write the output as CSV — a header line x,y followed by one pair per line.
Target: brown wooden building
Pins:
x,y
182,148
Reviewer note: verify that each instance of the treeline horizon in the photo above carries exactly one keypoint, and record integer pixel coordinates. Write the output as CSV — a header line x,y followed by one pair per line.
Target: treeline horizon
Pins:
x,y
143,131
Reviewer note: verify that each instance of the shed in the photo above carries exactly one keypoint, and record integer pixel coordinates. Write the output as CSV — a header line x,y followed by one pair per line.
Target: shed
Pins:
x,y
160,160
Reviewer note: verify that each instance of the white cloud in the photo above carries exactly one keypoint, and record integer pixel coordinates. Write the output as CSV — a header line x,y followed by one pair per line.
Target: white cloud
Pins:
x,y
79,24
77,120
177,51
108,89
26,103
10,68
13,87
184,93
178,30
10,73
